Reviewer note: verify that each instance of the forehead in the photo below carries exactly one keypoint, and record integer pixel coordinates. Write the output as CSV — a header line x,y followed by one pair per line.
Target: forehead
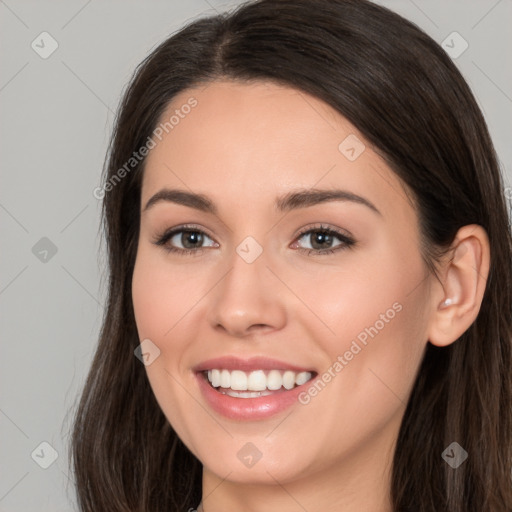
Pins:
x,y
250,141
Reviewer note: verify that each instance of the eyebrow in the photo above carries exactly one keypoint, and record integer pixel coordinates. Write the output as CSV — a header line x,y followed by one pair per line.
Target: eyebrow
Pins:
x,y
290,201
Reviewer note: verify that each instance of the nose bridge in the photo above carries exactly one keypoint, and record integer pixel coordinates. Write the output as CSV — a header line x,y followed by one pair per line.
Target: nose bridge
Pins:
x,y
243,298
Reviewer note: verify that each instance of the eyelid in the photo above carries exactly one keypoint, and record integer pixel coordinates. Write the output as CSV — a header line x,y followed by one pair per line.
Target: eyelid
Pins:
x,y
167,233
324,227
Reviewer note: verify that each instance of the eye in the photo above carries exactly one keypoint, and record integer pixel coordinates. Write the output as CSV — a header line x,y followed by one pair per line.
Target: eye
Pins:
x,y
321,240
190,237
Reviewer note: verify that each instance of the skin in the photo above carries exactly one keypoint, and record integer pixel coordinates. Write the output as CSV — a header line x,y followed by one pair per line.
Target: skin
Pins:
x,y
243,145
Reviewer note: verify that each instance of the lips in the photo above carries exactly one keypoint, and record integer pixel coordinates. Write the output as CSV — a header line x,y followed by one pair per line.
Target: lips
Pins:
x,y
251,389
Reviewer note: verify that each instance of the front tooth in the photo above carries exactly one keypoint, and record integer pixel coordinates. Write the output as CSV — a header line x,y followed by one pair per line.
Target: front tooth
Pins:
x,y
257,381
289,379
302,378
214,378
238,380
225,379
274,380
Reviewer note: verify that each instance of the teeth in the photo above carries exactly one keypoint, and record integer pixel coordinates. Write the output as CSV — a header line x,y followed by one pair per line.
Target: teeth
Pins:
x,y
246,394
302,378
225,379
238,381
274,380
258,381
289,380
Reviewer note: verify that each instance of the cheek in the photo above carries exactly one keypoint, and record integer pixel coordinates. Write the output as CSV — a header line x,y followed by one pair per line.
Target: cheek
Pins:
x,y
160,303
366,289
161,300
371,321
162,295
149,298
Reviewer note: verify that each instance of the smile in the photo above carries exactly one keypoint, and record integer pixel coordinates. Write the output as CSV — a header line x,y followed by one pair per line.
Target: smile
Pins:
x,y
257,383
252,389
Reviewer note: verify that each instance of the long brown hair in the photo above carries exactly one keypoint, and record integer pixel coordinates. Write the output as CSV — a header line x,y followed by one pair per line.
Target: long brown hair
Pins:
x,y
405,95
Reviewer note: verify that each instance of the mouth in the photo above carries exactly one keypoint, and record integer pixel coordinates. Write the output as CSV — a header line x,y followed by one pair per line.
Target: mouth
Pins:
x,y
250,390
256,383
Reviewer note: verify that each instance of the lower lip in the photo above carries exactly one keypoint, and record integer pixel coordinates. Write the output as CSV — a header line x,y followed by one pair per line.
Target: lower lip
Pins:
x,y
249,408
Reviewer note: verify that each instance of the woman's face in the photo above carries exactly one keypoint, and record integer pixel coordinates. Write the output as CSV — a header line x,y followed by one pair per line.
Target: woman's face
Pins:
x,y
281,283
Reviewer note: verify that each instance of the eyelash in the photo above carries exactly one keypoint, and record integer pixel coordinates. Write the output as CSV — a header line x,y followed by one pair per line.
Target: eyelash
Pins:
x,y
346,241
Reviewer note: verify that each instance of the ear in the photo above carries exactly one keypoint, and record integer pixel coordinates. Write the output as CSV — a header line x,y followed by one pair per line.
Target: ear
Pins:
x,y
463,277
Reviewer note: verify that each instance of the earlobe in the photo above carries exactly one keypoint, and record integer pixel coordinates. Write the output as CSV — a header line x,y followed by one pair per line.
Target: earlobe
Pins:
x,y
463,276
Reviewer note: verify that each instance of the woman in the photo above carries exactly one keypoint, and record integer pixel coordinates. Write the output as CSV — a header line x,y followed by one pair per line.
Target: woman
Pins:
x,y
310,258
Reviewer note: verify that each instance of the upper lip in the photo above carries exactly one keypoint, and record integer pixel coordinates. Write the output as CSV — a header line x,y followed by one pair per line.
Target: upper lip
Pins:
x,y
254,363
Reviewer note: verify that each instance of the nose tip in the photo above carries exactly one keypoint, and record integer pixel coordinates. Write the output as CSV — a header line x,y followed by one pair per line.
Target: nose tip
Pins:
x,y
244,301
241,325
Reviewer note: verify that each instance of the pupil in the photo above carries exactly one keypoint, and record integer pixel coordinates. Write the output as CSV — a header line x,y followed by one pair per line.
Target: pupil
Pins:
x,y
194,236
321,238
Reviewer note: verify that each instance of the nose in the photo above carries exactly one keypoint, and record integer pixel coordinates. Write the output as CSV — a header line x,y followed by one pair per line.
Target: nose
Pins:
x,y
247,300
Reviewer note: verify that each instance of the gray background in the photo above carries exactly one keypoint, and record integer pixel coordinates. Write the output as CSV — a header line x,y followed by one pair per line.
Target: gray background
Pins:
x,y
57,114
